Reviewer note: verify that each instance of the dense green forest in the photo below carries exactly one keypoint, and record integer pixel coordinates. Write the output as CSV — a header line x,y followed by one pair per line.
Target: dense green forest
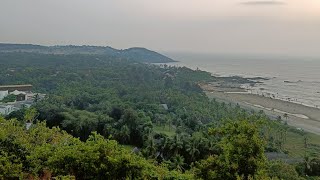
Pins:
x,y
113,118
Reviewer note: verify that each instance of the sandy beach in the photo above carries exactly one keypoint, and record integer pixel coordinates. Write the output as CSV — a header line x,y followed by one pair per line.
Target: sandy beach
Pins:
x,y
300,116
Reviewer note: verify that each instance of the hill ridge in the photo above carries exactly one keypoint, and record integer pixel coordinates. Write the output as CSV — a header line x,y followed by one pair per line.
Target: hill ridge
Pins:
x,y
139,54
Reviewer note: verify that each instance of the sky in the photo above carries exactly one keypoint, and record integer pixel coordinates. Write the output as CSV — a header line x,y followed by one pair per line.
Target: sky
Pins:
x,y
289,27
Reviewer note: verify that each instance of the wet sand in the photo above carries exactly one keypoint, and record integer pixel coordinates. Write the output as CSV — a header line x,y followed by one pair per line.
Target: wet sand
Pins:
x,y
300,116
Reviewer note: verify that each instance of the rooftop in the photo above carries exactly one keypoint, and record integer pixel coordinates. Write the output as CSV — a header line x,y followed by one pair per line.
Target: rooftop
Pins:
x,y
15,86
16,92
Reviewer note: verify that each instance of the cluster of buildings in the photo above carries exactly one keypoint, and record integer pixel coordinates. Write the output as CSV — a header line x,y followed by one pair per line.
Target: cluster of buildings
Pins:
x,y
15,97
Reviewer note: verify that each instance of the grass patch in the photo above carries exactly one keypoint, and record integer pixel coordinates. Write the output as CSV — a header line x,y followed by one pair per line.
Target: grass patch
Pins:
x,y
295,144
165,130
128,147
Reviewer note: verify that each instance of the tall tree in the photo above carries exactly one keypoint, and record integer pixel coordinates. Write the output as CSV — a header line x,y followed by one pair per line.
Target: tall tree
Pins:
x,y
242,153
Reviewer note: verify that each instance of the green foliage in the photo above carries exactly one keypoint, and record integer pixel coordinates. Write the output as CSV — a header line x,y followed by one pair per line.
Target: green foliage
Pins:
x,y
9,166
158,110
40,152
310,167
30,115
282,170
119,99
9,98
242,153
314,167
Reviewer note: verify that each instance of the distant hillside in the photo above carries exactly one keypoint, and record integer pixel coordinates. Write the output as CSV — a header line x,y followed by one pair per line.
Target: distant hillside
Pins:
x,y
134,54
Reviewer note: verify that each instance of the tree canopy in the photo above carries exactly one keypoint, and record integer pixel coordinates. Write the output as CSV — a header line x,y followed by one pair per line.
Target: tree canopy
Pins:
x,y
111,117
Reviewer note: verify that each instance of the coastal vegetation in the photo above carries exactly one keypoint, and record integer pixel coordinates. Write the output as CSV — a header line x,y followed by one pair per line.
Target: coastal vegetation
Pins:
x,y
112,117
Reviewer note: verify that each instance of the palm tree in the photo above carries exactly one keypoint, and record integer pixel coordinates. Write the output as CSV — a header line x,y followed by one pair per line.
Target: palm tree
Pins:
x,y
177,162
146,132
192,149
151,147
210,145
176,144
125,134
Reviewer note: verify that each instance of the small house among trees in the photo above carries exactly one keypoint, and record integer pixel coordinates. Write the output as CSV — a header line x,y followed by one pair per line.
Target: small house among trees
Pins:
x,y
20,96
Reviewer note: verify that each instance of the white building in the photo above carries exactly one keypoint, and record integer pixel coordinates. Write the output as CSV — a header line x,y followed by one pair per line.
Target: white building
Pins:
x,y
3,94
20,95
6,109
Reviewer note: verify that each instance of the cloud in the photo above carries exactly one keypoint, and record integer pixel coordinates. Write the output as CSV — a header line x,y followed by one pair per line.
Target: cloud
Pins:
x,y
263,3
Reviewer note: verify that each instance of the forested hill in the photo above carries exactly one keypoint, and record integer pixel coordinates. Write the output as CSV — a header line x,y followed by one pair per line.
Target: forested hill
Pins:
x,y
112,118
134,54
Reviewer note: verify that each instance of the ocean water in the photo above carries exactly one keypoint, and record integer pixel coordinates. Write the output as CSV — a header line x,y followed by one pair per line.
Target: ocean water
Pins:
x,y
295,79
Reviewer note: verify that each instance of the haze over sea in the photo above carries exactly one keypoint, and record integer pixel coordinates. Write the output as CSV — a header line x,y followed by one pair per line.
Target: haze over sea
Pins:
x,y
294,79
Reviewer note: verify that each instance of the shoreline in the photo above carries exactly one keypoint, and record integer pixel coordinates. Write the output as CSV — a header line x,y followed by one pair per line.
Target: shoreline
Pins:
x,y
297,115
255,83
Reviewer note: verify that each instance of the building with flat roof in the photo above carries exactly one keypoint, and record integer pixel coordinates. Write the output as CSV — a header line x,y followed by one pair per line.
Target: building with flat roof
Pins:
x,y
11,88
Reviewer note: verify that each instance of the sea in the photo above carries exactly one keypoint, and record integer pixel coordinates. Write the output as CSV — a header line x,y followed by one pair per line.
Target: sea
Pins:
x,y
294,79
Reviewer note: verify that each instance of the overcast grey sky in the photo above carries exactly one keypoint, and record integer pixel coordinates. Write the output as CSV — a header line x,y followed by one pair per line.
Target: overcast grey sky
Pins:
x,y
236,26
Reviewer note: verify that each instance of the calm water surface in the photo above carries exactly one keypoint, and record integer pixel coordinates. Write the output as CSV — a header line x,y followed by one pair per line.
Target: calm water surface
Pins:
x,y
294,79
